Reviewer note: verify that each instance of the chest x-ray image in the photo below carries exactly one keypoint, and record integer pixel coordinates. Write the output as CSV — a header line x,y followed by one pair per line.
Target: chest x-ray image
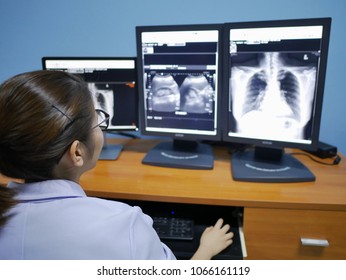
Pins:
x,y
103,97
272,94
194,95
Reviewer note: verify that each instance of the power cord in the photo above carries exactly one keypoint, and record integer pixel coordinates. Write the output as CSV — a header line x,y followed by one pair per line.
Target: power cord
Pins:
x,y
336,160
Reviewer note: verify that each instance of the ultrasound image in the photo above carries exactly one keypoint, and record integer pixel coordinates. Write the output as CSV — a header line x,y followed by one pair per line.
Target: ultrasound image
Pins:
x,y
165,96
194,95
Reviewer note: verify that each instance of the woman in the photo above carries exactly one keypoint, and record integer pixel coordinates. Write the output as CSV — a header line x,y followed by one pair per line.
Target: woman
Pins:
x,y
50,134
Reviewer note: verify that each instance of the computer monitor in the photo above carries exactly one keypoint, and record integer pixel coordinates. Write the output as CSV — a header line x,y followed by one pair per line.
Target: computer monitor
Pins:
x,y
274,83
179,85
112,80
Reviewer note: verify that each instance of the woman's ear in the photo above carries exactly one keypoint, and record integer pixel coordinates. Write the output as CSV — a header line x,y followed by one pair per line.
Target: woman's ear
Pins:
x,y
76,153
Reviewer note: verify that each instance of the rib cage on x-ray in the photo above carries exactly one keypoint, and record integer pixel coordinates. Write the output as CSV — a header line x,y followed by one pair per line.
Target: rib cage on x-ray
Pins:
x,y
288,85
276,88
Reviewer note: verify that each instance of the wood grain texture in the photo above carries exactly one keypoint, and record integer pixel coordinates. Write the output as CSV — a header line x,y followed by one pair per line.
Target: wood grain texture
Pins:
x,y
128,178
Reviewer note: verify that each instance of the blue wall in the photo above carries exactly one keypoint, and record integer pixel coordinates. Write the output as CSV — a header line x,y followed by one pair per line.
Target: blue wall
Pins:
x,y
30,29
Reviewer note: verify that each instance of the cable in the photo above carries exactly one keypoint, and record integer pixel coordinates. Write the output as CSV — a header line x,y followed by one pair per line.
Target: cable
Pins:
x,y
336,160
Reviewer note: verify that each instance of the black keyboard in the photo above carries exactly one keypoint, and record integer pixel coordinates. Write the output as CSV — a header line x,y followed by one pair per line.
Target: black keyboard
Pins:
x,y
174,228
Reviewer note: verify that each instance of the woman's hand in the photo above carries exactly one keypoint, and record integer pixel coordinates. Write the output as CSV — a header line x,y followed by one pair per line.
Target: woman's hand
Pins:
x,y
213,240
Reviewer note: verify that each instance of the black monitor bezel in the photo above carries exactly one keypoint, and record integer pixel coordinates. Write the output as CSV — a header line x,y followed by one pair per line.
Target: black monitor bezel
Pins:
x,y
110,58
190,27
326,23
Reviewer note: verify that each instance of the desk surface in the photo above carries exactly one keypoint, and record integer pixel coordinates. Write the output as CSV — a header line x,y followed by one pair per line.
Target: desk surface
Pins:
x,y
128,178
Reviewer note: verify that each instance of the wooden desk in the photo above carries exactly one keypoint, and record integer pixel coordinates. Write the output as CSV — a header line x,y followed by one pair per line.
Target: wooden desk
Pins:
x,y
127,178
276,216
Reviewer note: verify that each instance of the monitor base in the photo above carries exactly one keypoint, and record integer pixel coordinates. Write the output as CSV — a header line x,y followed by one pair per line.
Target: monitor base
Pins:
x,y
178,155
247,167
110,152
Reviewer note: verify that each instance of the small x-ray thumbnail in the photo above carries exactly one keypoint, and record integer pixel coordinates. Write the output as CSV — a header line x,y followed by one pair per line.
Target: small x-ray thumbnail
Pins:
x,y
103,96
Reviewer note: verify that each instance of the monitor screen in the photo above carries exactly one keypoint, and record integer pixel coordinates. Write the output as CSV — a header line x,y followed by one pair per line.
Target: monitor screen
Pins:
x,y
274,83
179,84
112,81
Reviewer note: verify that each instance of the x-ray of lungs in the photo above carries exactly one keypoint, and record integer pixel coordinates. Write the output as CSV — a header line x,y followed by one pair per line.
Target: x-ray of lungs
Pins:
x,y
196,95
273,97
164,94
103,97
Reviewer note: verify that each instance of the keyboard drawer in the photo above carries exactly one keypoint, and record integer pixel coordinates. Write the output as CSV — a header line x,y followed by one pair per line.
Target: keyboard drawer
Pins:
x,y
184,249
202,216
294,234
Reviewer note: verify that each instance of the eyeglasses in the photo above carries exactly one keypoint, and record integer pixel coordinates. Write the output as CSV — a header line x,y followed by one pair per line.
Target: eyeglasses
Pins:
x,y
102,119
102,122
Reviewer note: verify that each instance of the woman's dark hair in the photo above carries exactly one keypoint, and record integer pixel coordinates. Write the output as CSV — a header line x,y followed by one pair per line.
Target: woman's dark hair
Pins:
x,y
41,114
6,202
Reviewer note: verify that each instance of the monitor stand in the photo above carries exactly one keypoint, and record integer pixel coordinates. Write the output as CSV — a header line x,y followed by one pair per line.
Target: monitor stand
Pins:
x,y
181,154
269,165
110,151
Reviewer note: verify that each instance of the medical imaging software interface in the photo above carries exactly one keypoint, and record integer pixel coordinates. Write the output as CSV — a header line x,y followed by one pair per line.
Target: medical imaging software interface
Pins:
x,y
113,85
272,82
180,81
